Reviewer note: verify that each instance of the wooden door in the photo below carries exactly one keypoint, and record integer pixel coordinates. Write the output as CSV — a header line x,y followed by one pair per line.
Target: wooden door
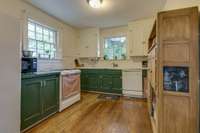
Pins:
x,y
31,102
178,46
50,93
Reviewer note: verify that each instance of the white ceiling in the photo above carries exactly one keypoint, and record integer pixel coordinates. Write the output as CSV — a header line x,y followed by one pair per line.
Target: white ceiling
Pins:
x,y
112,13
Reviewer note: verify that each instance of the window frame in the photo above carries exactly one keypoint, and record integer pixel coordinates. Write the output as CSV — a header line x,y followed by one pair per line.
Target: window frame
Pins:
x,y
126,45
49,29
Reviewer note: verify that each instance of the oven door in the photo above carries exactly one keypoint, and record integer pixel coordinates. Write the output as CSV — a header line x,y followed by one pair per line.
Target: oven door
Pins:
x,y
70,85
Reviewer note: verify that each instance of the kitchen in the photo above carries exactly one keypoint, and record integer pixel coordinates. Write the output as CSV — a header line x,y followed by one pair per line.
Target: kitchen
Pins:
x,y
81,62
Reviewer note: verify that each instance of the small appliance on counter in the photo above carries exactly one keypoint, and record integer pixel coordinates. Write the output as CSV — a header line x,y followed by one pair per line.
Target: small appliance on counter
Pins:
x,y
69,88
29,65
27,54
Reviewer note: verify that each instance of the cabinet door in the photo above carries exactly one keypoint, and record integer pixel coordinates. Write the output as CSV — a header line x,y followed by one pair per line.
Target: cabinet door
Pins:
x,y
106,83
50,95
93,82
136,40
89,41
84,79
139,32
117,84
31,102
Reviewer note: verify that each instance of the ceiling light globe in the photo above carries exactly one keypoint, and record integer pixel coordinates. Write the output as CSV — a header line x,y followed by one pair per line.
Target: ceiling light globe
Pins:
x,y
95,3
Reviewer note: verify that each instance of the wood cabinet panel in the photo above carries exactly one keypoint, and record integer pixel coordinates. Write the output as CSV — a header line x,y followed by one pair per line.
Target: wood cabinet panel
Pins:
x,y
176,114
176,53
173,24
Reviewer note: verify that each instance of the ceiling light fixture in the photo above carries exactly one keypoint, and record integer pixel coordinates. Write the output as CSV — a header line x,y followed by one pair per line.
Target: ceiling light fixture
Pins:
x,y
95,3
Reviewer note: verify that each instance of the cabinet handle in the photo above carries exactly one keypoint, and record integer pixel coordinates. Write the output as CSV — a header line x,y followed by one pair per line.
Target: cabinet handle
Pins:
x,y
44,83
41,84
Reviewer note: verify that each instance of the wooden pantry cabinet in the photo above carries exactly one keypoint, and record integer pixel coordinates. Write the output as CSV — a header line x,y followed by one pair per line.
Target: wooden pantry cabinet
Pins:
x,y
174,72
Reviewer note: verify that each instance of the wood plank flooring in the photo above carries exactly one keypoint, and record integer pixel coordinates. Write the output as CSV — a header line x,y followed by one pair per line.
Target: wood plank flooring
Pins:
x,y
93,115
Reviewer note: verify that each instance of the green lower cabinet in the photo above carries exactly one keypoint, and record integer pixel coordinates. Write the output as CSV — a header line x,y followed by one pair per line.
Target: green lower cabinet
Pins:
x,y
107,81
93,82
84,79
50,96
117,84
31,102
39,99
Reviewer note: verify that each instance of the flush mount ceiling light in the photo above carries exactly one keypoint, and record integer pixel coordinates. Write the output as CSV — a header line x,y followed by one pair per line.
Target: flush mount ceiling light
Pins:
x,y
95,3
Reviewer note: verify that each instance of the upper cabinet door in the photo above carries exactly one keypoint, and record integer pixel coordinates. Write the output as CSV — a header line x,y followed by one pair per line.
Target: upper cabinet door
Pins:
x,y
89,42
138,34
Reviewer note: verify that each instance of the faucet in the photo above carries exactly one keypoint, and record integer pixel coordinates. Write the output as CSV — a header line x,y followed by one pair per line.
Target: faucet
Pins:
x,y
115,64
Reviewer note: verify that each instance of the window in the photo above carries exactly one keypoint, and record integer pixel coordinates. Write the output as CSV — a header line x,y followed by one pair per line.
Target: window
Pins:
x,y
115,48
41,40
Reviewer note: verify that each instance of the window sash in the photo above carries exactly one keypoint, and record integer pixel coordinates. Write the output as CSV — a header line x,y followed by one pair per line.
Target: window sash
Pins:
x,y
42,40
112,48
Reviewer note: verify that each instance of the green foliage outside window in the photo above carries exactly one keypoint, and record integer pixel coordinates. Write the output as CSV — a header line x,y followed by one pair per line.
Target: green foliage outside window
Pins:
x,y
115,48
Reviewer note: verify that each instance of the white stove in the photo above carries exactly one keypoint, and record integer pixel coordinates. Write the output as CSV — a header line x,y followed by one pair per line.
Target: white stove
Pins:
x,y
69,88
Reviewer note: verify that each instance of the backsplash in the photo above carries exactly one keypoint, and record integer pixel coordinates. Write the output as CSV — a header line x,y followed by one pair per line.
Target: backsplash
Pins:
x,y
135,62
45,65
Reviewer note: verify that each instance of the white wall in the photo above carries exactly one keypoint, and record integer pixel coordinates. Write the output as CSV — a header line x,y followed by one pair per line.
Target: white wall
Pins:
x,y
67,34
175,4
9,74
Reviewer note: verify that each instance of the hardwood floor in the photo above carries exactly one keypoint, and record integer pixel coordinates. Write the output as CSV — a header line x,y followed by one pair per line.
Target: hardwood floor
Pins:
x,y
93,115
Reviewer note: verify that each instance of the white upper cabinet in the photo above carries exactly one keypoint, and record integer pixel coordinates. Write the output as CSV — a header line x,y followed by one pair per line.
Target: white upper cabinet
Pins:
x,y
138,36
89,43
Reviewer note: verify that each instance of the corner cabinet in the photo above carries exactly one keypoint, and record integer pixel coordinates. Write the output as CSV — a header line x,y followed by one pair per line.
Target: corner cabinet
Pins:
x,y
39,99
89,44
138,36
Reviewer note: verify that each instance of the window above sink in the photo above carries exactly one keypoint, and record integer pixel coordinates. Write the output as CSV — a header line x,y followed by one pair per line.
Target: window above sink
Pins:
x,y
115,48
